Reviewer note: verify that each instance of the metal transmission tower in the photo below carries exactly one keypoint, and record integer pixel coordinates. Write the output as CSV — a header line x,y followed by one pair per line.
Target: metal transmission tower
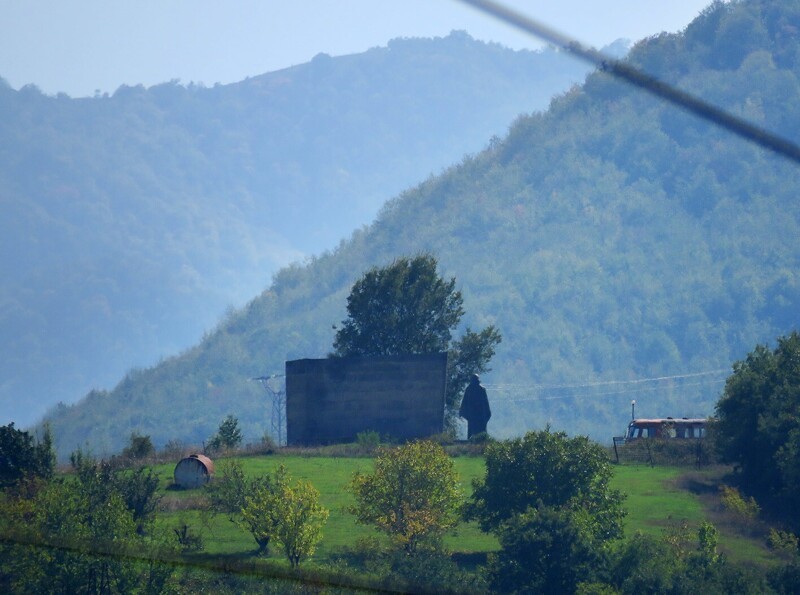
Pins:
x,y
276,387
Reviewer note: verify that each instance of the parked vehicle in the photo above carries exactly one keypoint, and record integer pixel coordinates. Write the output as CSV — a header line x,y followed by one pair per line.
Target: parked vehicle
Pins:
x,y
678,428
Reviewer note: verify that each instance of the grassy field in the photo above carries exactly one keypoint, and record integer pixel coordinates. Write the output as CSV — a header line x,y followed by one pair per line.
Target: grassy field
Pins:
x,y
656,499
661,497
653,498
330,475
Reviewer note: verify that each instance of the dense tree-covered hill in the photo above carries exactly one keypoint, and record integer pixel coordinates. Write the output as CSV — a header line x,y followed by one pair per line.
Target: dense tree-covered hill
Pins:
x,y
128,223
625,249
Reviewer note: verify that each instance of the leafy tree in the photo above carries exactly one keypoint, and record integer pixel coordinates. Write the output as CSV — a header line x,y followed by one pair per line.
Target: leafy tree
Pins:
x,y
428,570
259,516
65,513
407,307
784,579
139,491
255,505
258,511
21,456
413,493
708,538
548,469
759,425
548,499
72,537
251,504
680,562
545,550
646,564
248,501
468,355
292,515
301,518
230,488
137,488
139,448
228,436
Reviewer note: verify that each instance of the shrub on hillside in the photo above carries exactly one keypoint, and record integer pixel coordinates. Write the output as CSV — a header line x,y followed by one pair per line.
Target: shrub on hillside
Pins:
x,y
744,509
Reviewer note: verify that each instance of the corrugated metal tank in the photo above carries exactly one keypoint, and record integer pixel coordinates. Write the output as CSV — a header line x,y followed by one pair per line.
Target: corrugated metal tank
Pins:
x,y
193,471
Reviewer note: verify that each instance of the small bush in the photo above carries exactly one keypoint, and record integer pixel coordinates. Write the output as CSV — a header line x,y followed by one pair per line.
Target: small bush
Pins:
x,y
784,543
480,438
265,446
655,451
174,449
431,569
444,438
188,539
368,439
139,448
465,449
228,436
171,502
744,509
268,444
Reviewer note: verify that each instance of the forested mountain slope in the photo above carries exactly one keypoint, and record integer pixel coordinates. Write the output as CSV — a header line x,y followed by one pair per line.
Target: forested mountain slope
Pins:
x,y
128,223
611,239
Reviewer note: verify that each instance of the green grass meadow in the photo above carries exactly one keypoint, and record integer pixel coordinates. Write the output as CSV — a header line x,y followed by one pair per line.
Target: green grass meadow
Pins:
x,y
655,501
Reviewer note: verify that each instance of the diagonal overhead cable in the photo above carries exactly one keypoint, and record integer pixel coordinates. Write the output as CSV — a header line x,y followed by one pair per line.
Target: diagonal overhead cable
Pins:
x,y
642,80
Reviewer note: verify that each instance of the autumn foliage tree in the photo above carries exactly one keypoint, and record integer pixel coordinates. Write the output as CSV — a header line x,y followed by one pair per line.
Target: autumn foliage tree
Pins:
x,y
302,517
290,514
413,495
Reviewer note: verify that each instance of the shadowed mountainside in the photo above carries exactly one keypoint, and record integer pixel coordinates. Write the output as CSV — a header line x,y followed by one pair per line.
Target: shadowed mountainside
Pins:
x,y
128,223
625,249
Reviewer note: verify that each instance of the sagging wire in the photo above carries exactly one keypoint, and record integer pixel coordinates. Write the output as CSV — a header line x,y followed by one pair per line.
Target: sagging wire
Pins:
x,y
642,80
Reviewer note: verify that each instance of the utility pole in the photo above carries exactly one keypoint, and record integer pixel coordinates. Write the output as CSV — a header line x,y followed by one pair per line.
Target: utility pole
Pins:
x,y
277,390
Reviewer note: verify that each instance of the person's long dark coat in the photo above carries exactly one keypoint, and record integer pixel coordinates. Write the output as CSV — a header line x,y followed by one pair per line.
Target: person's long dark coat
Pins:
x,y
475,408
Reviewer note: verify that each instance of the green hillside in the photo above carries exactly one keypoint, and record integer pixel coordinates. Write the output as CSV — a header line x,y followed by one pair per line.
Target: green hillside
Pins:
x,y
130,222
624,249
654,502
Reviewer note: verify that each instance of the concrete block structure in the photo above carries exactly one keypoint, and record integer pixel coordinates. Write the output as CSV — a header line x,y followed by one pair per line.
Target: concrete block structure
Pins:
x,y
331,400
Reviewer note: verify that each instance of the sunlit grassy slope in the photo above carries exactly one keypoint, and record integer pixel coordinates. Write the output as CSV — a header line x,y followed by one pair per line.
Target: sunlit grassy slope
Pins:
x,y
654,502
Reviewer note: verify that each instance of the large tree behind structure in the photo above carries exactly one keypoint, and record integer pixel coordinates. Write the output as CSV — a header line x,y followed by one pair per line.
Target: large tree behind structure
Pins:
x,y
406,307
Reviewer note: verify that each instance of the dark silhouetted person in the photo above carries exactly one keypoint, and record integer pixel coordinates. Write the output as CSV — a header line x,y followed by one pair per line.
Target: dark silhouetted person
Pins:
x,y
475,407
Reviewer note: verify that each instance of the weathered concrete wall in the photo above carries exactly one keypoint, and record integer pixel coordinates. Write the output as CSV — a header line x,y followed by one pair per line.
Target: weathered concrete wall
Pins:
x,y
332,400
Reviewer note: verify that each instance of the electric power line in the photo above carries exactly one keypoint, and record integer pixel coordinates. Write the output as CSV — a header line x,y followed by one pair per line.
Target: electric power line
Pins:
x,y
502,399
607,382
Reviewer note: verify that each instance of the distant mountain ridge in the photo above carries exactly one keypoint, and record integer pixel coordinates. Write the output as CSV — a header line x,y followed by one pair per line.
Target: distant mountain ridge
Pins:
x,y
626,250
129,222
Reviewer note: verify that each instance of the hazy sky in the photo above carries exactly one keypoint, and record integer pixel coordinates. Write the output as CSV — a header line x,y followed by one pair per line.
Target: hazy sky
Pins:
x,y
81,46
